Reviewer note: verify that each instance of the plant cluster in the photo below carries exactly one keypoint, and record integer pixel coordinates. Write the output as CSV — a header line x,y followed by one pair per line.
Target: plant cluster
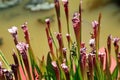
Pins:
x,y
70,62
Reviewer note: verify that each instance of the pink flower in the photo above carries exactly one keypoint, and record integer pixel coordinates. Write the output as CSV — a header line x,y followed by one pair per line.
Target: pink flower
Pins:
x,y
66,71
64,66
83,48
56,69
65,3
54,64
95,28
64,52
92,42
13,30
116,40
76,21
22,47
116,46
94,24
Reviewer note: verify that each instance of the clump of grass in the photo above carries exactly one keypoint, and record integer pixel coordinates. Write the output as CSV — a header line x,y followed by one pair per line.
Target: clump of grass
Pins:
x,y
70,62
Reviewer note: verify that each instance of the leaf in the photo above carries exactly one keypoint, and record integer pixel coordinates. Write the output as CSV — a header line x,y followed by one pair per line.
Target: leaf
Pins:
x,y
4,60
50,71
115,73
42,65
77,75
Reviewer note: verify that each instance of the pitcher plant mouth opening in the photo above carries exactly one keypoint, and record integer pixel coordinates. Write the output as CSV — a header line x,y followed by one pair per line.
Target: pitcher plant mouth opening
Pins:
x,y
71,62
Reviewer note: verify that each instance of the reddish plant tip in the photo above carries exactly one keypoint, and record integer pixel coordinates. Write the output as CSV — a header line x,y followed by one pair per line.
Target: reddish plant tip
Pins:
x,y
47,21
68,37
59,36
57,5
65,2
56,1
24,27
109,39
26,33
92,42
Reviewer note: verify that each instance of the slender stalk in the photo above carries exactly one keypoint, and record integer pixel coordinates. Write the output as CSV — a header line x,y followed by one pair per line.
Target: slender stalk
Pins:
x,y
99,22
109,49
57,9
80,18
17,63
49,32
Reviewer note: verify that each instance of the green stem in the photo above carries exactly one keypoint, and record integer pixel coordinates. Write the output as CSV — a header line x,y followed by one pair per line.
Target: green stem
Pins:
x,y
4,60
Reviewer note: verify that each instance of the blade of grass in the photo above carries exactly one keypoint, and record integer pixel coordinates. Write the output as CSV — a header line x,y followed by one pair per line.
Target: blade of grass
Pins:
x,y
4,60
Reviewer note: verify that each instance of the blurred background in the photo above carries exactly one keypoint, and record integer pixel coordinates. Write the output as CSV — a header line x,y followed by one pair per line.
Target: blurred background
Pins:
x,y
17,12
